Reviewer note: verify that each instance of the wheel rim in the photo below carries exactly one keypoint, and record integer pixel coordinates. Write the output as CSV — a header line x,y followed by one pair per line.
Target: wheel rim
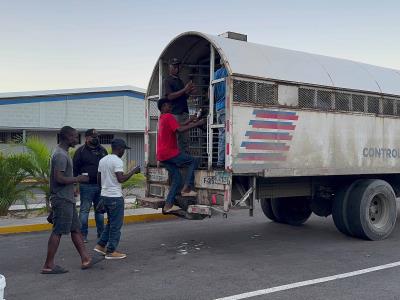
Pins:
x,y
379,211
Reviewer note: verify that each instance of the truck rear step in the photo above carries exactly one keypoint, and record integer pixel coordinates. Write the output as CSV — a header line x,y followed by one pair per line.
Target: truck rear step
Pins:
x,y
193,212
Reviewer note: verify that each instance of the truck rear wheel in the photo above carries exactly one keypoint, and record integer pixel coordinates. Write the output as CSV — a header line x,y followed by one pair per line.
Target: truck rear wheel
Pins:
x,y
267,209
293,210
372,210
339,209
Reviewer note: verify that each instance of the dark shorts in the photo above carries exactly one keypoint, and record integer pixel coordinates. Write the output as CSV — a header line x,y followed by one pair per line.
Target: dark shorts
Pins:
x,y
65,216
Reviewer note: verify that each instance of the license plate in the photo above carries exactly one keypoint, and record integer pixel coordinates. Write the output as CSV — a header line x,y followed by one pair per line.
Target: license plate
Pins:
x,y
217,178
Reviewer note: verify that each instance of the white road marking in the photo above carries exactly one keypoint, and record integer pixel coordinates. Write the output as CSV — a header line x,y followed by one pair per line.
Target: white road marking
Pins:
x,y
309,282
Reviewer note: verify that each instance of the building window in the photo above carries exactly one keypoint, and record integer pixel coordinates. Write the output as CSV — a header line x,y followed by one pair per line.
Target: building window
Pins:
x,y
105,139
8,137
58,138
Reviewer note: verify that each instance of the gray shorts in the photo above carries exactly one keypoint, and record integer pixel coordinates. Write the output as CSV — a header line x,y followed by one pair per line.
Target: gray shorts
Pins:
x,y
65,216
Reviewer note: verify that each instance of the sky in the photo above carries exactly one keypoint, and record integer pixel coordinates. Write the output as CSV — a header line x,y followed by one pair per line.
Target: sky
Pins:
x,y
55,44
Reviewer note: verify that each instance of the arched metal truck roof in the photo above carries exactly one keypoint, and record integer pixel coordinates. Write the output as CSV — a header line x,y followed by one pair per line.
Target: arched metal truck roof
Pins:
x,y
261,61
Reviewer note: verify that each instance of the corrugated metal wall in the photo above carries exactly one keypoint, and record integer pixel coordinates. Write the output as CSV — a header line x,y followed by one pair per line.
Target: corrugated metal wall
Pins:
x,y
136,142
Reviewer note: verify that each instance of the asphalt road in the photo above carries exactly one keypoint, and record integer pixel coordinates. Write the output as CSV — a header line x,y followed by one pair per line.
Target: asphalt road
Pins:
x,y
209,259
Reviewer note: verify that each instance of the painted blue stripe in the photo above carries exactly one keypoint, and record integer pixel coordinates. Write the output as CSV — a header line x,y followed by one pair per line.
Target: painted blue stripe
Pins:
x,y
269,122
89,96
272,154
244,144
248,133
279,112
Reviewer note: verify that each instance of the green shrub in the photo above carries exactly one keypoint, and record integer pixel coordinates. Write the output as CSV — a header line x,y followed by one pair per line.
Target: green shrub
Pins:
x,y
14,169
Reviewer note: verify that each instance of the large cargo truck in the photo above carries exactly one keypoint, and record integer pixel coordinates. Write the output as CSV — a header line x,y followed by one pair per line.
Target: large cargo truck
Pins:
x,y
305,134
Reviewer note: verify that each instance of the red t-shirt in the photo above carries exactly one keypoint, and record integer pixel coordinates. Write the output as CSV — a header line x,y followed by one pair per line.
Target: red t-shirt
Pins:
x,y
167,146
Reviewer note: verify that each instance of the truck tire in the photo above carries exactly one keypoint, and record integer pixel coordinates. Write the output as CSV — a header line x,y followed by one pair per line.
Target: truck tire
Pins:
x,y
372,210
293,210
267,209
339,209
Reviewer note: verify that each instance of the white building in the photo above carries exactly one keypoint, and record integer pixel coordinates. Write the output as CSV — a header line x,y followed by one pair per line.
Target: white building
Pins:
x,y
116,112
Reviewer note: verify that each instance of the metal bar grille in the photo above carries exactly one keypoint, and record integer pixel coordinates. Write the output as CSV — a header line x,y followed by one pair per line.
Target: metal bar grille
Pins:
x,y
343,101
258,93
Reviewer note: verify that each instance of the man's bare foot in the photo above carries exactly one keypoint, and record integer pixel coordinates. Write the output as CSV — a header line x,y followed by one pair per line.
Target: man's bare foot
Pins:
x,y
186,189
91,262
188,192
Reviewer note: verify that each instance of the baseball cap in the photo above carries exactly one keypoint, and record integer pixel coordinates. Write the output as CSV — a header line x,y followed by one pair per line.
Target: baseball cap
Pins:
x,y
91,132
119,143
174,61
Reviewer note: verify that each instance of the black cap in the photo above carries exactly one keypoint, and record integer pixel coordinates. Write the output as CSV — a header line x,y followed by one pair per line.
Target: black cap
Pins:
x,y
119,143
161,102
174,61
91,132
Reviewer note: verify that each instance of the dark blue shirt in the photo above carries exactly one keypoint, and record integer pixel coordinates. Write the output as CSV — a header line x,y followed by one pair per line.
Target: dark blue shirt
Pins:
x,y
173,84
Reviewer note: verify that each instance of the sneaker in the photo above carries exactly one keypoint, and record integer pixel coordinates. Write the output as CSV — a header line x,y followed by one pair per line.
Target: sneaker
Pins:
x,y
85,240
115,255
100,249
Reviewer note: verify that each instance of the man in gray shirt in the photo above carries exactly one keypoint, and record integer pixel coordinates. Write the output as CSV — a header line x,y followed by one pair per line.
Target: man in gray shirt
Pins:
x,y
65,217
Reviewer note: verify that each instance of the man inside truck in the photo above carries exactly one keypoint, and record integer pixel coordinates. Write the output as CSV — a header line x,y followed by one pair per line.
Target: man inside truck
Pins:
x,y
178,93
171,156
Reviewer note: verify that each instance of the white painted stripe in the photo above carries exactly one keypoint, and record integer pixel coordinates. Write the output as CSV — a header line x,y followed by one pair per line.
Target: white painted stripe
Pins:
x,y
309,282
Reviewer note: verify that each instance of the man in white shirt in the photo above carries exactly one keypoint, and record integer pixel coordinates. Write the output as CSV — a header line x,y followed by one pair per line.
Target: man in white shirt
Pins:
x,y
110,176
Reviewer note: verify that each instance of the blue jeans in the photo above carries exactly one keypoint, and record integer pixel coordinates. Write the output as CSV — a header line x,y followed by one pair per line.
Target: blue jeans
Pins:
x,y
90,193
173,166
221,138
112,233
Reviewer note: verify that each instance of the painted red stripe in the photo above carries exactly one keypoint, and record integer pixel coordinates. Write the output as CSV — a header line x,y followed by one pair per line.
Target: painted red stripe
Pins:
x,y
255,158
227,149
270,137
267,147
274,126
277,116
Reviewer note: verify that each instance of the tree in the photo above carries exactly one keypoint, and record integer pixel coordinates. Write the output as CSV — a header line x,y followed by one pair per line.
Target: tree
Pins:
x,y
14,169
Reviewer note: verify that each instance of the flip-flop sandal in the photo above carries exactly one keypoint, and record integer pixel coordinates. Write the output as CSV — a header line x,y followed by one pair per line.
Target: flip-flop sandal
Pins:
x,y
172,209
189,194
95,259
56,270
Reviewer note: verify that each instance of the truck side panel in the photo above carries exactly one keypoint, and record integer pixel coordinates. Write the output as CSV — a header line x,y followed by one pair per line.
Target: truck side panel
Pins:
x,y
286,142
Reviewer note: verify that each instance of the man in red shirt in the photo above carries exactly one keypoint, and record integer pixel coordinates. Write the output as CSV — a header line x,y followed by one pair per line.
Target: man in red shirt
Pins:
x,y
169,154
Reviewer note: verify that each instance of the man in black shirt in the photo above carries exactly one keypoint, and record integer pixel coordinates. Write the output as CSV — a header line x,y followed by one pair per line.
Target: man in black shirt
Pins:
x,y
178,93
86,160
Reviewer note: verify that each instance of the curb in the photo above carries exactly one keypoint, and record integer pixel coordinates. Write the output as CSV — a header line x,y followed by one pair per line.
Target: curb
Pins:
x,y
46,226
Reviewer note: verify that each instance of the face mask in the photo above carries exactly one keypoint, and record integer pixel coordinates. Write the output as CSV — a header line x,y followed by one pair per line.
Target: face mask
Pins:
x,y
95,141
